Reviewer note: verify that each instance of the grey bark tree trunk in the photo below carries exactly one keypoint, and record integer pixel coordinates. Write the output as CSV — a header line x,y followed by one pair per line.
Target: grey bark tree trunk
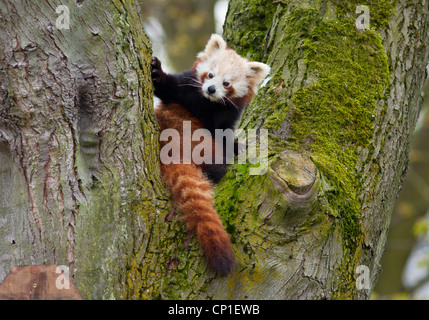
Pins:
x,y
77,138
79,149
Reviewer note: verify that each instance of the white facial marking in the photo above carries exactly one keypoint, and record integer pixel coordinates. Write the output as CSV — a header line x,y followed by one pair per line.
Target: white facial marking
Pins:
x,y
224,66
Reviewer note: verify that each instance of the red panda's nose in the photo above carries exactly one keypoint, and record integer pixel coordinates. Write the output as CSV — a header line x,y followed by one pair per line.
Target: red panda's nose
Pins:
x,y
211,89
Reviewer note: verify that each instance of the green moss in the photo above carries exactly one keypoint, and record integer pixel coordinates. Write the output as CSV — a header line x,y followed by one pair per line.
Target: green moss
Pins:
x,y
247,38
379,10
343,72
333,117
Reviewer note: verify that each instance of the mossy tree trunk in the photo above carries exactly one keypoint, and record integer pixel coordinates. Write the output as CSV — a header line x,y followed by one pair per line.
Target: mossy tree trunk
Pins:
x,y
340,108
78,146
348,100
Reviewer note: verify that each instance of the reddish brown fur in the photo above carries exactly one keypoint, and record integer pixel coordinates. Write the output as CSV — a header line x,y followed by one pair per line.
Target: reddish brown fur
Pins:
x,y
191,93
204,76
192,193
194,66
243,101
231,91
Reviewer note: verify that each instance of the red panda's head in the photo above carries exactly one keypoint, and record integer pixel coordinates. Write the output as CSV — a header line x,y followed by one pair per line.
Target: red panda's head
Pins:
x,y
225,74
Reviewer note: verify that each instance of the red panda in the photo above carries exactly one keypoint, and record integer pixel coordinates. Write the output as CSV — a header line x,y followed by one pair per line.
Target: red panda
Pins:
x,y
211,95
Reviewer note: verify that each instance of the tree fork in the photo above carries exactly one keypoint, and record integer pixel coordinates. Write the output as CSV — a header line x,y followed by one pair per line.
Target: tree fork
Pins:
x,y
80,183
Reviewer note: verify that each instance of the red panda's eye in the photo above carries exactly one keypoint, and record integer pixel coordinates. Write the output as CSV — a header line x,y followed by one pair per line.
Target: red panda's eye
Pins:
x,y
226,84
211,75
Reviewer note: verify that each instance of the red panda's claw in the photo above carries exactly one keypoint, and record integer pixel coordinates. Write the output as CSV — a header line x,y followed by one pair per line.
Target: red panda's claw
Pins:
x,y
156,69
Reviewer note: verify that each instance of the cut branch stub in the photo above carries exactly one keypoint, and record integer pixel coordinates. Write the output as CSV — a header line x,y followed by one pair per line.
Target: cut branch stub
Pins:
x,y
296,177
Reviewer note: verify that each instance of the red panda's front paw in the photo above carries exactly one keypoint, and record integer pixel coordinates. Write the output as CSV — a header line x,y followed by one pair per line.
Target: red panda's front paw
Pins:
x,y
157,72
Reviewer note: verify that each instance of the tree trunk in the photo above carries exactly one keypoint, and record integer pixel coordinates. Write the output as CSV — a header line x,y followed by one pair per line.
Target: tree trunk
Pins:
x,y
79,178
78,139
348,99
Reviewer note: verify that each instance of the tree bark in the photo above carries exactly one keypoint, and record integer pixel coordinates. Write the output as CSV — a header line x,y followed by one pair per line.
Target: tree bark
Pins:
x,y
78,139
80,183
348,100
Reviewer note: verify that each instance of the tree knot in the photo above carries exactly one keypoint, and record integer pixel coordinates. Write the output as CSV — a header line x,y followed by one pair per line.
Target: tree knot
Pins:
x,y
296,177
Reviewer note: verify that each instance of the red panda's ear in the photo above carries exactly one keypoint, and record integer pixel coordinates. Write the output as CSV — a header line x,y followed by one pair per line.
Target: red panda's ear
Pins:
x,y
258,71
215,43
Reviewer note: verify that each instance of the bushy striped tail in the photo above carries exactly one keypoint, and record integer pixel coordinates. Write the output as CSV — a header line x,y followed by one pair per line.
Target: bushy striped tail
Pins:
x,y
192,194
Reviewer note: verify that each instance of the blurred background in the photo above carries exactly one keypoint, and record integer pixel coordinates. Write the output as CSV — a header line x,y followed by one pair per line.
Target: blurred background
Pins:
x,y
179,29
